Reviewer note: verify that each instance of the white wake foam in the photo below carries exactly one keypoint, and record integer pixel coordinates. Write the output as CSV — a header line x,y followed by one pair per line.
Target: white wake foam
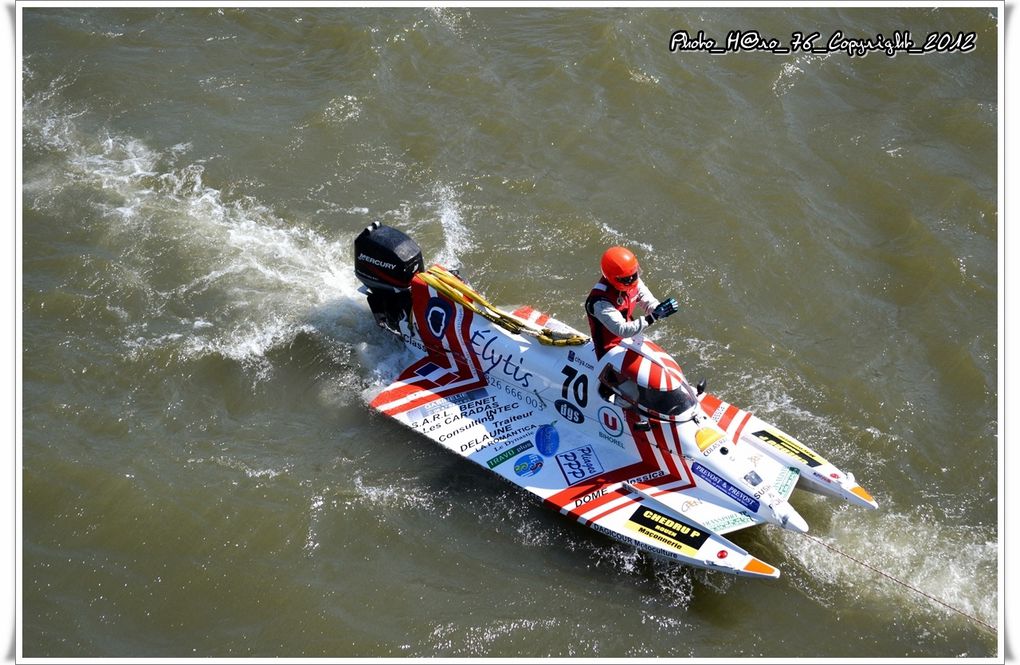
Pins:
x,y
245,280
456,236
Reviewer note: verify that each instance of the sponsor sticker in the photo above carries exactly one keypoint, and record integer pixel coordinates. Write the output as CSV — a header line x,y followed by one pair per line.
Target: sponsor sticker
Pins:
x,y
821,476
590,497
495,355
784,483
611,422
729,522
579,463
508,454
706,436
669,531
690,504
446,402
790,447
438,313
528,465
646,477
569,411
726,488
469,396
574,358
547,440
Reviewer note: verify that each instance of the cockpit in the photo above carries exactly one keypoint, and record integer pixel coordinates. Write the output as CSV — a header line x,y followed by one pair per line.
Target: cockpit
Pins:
x,y
658,404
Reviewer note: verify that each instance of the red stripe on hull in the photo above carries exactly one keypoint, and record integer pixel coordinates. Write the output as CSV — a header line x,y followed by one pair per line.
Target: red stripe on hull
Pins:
x,y
709,403
727,416
452,352
740,429
523,312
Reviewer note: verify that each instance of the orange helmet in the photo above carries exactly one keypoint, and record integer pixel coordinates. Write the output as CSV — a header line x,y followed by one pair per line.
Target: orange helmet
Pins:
x,y
620,268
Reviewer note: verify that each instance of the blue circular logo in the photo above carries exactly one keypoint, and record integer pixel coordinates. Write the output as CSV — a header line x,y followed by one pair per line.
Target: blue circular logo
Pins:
x,y
528,465
547,440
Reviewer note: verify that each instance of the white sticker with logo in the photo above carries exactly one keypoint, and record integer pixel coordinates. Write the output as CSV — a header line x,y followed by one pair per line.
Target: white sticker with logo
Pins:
x,y
579,464
612,423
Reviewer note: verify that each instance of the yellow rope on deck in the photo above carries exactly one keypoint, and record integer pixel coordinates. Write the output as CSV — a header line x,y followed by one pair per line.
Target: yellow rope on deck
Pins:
x,y
449,285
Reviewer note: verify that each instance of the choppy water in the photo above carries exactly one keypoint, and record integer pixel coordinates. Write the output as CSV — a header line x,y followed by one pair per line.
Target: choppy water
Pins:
x,y
201,474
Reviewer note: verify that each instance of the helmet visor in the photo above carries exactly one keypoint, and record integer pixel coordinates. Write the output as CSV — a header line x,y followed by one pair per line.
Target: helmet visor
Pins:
x,y
628,280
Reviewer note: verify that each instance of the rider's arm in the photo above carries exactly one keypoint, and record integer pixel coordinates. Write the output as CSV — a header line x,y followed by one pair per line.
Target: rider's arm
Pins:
x,y
614,322
645,298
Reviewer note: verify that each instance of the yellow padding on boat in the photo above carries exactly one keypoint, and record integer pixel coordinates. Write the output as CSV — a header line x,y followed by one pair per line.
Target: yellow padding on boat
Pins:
x,y
452,287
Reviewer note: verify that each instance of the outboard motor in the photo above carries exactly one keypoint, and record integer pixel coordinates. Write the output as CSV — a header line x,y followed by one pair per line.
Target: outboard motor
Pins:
x,y
386,260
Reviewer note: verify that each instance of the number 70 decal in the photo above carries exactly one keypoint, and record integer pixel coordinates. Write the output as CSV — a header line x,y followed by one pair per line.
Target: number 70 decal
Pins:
x,y
579,383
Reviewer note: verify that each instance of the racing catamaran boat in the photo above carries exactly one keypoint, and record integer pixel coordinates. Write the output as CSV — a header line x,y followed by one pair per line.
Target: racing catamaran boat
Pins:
x,y
654,463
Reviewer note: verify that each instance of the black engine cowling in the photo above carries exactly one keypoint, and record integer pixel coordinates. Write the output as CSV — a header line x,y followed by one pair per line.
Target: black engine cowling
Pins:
x,y
386,260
